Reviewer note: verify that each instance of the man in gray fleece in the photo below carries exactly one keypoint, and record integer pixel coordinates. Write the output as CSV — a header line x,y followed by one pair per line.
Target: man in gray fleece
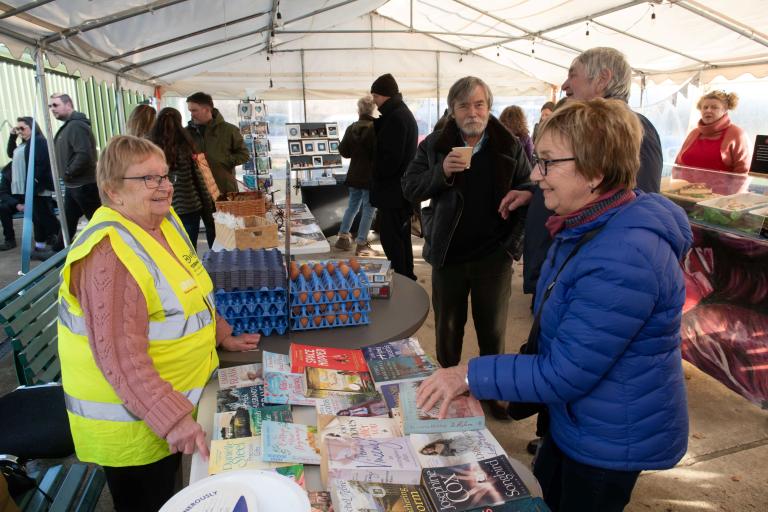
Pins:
x,y
76,161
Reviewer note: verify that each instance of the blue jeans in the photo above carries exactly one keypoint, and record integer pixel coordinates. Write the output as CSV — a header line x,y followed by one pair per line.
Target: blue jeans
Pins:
x,y
358,198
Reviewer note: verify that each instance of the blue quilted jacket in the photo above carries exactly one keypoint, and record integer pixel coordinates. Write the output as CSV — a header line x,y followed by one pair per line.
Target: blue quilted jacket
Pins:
x,y
609,365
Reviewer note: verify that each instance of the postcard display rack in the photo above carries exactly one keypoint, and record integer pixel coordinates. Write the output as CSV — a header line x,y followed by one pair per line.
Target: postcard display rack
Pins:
x,y
726,275
313,147
255,129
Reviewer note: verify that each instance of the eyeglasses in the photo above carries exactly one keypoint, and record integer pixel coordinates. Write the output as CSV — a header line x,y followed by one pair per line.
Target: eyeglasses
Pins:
x,y
544,163
153,181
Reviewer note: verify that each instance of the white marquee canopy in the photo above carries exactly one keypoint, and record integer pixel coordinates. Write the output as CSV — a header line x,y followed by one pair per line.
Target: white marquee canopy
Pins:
x,y
335,48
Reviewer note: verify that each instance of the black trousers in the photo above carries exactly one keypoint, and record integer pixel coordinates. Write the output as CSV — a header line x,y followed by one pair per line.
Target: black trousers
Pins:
x,y
79,201
488,281
143,488
570,486
395,235
46,225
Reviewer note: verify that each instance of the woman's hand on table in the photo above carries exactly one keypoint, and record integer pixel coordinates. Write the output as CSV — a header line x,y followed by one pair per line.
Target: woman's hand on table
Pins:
x,y
241,343
443,385
187,435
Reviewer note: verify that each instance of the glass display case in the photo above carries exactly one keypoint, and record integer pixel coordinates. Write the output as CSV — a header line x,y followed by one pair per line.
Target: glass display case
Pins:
x,y
725,317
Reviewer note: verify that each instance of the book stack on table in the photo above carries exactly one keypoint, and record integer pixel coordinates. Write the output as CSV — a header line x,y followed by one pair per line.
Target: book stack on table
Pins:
x,y
375,449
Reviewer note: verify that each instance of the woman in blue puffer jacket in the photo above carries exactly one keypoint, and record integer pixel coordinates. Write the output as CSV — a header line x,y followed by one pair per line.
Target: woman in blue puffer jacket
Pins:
x,y
608,366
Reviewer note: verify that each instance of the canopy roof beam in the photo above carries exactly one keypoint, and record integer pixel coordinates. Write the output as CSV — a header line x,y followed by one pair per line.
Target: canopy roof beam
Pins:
x,y
206,61
272,18
389,31
540,34
720,19
23,8
186,36
221,41
108,20
646,41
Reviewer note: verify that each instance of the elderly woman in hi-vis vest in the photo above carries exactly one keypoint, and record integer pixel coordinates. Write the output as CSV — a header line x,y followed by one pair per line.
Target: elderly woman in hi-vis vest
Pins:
x,y
138,330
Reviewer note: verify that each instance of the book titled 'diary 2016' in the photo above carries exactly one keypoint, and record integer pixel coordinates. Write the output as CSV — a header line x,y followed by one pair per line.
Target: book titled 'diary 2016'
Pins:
x,y
370,460
469,487
353,496
464,413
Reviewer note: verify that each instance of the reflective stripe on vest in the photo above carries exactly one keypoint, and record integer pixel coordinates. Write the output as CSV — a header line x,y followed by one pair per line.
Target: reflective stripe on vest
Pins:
x,y
114,412
175,324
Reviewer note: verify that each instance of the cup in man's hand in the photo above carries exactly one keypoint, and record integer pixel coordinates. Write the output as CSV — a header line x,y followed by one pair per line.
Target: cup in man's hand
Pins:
x,y
466,154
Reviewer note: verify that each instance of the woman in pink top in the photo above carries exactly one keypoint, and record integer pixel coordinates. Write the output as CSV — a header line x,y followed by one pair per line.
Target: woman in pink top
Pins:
x,y
716,144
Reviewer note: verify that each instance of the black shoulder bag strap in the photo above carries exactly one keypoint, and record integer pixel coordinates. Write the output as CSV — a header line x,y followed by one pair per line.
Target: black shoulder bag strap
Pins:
x,y
522,410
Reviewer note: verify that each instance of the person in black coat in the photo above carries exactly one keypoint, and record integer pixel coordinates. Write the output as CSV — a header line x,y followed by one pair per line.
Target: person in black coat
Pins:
x,y
12,192
358,144
396,139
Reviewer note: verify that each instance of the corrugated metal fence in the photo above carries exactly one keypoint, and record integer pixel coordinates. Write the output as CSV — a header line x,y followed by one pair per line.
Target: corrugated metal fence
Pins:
x,y
18,97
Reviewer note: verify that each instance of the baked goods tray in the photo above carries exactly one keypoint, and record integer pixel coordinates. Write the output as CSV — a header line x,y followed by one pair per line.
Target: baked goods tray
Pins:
x,y
736,203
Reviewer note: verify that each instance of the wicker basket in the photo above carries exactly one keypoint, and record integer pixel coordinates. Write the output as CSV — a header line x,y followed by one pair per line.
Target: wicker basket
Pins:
x,y
244,207
258,233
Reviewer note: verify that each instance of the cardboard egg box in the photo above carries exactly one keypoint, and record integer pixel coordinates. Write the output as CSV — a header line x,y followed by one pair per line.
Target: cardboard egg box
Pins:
x,y
328,288
328,320
263,325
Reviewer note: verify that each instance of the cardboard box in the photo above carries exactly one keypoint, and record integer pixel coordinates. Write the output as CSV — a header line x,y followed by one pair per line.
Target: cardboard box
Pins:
x,y
258,233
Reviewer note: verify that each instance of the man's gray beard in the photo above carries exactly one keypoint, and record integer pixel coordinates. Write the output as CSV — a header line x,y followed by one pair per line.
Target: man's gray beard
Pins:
x,y
474,132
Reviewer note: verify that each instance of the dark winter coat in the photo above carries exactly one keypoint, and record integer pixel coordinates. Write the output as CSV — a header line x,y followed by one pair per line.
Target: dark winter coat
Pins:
x,y
76,151
396,137
609,367
537,239
43,177
189,192
224,149
425,180
359,144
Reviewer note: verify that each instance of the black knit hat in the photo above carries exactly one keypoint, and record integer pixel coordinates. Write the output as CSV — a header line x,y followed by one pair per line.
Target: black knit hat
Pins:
x,y
385,85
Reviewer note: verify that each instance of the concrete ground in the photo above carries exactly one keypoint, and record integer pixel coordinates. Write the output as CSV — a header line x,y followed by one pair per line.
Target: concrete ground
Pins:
x,y
728,439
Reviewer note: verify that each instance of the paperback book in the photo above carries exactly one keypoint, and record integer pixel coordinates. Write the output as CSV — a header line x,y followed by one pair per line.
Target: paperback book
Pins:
x,y
338,381
452,448
246,422
350,426
354,496
376,270
289,442
474,486
392,349
303,356
391,394
320,501
352,404
245,453
370,460
464,413
280,385
235,398
240,376
295,472
402,369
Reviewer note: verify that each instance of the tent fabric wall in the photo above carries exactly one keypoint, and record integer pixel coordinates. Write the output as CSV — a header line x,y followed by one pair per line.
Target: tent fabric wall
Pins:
x,y
222,45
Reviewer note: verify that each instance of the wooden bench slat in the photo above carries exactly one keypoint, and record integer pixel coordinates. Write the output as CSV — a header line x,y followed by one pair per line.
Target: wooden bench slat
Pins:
x,y
12,290
68,489
39,324
49,484
27,347
50,374
28,320
43,358
93,487
32,294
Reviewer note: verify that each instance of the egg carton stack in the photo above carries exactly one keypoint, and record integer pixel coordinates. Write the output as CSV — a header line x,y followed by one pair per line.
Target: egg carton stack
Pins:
x,y
250,289
328,294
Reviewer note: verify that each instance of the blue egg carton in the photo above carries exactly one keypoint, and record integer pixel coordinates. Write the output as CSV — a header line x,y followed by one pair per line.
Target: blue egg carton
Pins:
x,y
348,307
296,322
249,297
264,325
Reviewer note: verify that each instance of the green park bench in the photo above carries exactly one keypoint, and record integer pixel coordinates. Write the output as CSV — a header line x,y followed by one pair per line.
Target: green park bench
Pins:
x,y
28,315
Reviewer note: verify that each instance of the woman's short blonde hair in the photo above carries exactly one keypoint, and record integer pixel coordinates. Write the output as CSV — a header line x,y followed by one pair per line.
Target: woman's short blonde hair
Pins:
x,y
730,100
366,105
122,152
605,137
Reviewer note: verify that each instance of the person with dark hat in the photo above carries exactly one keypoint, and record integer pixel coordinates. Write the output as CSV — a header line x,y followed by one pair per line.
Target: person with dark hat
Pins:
x,y
396,139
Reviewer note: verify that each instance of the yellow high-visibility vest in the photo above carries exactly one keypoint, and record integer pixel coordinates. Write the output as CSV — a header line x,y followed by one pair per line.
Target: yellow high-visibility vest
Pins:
x,y
182,337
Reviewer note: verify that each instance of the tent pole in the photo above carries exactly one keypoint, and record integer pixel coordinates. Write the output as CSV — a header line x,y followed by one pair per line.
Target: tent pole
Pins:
x,y
437,84
303,87
43,91
119,103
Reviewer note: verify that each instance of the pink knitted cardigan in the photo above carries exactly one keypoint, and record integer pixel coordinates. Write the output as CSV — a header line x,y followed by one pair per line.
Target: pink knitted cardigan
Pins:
x,y
734,149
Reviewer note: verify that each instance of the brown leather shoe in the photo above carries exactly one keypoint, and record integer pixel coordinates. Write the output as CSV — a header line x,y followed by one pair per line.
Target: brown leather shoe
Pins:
x,y
497,409
365,250
344,242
